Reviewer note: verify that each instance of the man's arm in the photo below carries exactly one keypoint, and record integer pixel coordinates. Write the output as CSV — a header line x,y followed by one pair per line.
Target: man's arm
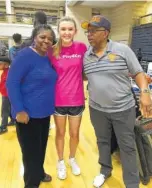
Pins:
x,y
141,80
136,70
145,98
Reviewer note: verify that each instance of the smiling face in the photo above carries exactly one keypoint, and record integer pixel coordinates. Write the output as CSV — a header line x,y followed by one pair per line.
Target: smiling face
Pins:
x,y
67,31
43,41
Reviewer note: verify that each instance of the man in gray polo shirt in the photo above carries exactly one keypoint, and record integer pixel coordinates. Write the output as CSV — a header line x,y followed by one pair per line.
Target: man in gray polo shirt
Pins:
x,y
107,65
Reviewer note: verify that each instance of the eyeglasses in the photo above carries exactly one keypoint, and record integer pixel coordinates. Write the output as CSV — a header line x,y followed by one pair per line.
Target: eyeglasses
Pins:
x,y
93,31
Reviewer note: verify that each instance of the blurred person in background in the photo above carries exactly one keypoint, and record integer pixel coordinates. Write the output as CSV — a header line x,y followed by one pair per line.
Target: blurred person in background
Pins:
x,y
6,107
14,49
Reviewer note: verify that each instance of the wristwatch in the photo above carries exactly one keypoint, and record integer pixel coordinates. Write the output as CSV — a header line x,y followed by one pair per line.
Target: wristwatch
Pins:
x,y
146,90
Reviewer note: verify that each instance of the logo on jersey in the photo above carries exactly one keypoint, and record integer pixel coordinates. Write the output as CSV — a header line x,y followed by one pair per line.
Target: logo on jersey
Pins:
x,y
71,56
112,57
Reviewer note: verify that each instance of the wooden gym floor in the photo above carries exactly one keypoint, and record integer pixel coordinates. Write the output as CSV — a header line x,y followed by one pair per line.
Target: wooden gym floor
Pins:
x,y
11,169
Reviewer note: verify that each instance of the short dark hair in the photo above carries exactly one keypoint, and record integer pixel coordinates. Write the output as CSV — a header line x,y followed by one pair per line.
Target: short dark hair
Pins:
x,y
39,18
37,29
17,37
5,59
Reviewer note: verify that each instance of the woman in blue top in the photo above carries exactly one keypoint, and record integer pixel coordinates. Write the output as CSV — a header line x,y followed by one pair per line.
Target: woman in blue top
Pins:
x,y
31,89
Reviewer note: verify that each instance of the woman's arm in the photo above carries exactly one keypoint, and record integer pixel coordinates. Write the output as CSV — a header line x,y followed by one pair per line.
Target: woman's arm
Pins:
x,y
18,70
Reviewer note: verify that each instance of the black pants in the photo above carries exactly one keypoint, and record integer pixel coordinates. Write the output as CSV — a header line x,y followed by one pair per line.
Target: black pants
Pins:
x,y
33,138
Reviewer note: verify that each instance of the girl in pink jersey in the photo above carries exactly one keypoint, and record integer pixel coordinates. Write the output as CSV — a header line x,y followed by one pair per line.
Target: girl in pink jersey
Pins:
x,y
67,59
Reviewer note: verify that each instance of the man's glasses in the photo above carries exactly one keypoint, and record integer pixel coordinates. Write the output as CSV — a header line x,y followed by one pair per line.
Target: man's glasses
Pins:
x,y
93,31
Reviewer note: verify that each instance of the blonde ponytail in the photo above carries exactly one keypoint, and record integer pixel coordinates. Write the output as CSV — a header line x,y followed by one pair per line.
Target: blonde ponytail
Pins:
x,y
57,48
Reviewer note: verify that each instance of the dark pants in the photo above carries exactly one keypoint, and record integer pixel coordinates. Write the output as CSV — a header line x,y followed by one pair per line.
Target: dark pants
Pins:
x,y
114,144
123,126
5,111
33,141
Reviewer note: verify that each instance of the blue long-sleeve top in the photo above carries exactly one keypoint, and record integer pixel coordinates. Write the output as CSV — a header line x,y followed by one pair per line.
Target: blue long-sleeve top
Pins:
x,y
31,84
